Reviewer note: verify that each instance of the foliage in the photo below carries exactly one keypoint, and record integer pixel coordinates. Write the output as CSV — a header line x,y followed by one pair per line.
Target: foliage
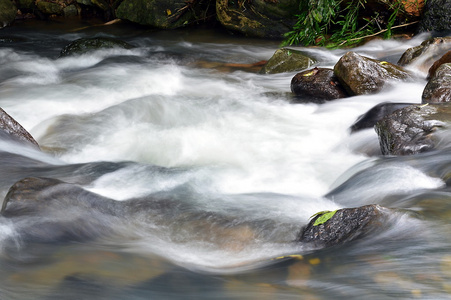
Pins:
x,y
336,23
323,217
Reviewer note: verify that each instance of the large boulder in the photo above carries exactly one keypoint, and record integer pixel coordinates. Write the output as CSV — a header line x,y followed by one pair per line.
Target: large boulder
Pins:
x,y
414,129
317,85
375,114
258,18
84,45
287,60
362,75
15,131
168,14
8,11
438,88
436,16
425,54
328,229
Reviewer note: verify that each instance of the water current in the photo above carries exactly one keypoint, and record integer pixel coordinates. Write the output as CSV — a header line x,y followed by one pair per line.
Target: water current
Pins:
x,y
226,167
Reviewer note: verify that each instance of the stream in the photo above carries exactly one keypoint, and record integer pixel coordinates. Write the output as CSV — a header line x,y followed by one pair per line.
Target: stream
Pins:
x,y
203,173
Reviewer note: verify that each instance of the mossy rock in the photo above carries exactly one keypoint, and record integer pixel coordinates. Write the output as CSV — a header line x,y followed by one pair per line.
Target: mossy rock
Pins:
x,y
49,8
258,18
287,60
8,11
167,14
84,45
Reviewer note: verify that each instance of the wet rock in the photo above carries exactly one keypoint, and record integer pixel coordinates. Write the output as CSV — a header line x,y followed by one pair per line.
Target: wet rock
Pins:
x,y
436,16
445,59
375,114
318,84
414,129
15,130
8,11
258,18
85,45
165,14
345,225
362,75
425,54
438,88
287,60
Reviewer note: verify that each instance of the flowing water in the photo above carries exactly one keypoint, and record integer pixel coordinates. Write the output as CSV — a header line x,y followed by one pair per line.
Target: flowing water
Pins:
x,y
213,168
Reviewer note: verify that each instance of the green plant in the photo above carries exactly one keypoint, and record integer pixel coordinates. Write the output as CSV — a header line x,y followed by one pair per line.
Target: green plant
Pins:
x,y
337,23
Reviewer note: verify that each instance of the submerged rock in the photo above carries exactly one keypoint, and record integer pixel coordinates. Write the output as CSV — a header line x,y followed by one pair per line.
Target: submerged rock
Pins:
x,y
344,225
287,60
425,54
436,16
438,88
84,45
15,130
375,114
318,84
362,75
413,129
8,11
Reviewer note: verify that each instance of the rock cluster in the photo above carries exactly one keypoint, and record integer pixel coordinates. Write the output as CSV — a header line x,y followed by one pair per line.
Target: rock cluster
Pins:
x,y
257,18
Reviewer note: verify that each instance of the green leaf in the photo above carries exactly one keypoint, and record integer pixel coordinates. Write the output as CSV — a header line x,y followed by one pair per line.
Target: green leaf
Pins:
x,y
324,217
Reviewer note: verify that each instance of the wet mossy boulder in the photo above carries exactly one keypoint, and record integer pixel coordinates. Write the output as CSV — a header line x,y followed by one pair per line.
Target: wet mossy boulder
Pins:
x,y
361,75
438,88
328,229
317,85
415,129
424,55
15,131
8,11
436,16
287,60
375,114
258,18
84,45
168,14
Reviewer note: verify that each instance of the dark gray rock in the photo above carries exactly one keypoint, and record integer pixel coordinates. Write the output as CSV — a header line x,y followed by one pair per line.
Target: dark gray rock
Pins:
x,y
84,45
362,75
287,60
413,129
15,130
436,16
438,88
318,84
375,114
345,225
